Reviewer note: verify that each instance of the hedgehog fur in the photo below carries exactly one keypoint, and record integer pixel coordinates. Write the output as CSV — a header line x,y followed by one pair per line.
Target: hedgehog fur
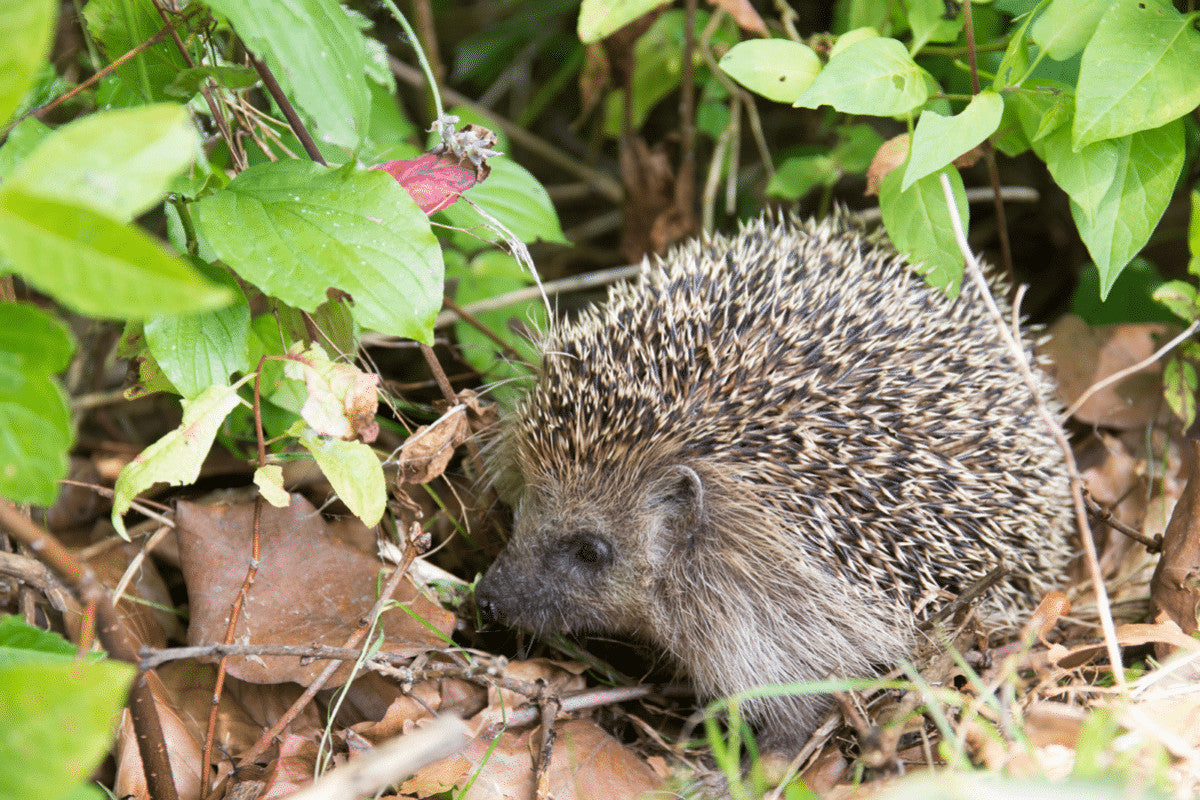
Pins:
x,y
770,456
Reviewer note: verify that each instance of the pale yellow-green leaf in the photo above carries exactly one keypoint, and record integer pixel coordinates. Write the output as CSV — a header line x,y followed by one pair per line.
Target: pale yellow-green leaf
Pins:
x,y
355,474
269,480
176,458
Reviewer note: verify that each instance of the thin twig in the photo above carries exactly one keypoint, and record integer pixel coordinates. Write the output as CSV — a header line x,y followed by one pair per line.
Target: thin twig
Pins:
x,y
1017,353
354,640
214,108
106,70
289,111
477,324
371,773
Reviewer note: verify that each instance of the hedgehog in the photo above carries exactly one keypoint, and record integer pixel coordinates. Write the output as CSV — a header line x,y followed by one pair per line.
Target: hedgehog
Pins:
x,y
771,456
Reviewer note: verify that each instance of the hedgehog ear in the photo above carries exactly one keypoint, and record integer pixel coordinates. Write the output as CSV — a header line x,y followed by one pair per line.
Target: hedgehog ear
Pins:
x,y
685,496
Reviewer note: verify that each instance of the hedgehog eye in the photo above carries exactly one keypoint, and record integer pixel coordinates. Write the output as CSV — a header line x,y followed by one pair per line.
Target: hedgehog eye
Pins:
x,y
591,551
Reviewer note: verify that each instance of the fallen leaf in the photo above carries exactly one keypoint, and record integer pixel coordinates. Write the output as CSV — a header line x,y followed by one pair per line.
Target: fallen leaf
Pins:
x,y
310,588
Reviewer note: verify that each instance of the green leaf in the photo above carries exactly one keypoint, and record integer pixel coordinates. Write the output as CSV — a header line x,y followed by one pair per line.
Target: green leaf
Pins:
x,y
489,274
269,480
1179,389
59,717
117,163
296,230
1180,297
35,421
15,634
918,223
189,81
516,199
875,76
926,18
96,265
939,140
599,18
1131,298
354,472
176,458
120,26
21,141
1065,26
852,37
778,69
1147,164
317,55
1140,71
26,28
1194,235
798,176
196,351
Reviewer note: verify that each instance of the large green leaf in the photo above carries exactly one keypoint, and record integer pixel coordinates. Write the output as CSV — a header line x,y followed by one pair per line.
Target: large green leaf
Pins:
x,y
317,55
197,351
26,28
918,222
778,69
35,422
599,18
939,140
94,264
1140,71
120,26
1147,165
1065,26
115,162
296,230
875,76
59,717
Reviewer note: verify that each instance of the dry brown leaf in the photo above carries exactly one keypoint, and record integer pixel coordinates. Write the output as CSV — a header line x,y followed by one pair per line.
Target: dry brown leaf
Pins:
x,y
293,769
149,626
1081,356
310,588
426,453
890,155
1128,635
183,748
1053,607
744,15
587,764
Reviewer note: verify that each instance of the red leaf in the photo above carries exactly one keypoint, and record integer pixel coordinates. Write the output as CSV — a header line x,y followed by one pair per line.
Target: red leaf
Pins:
x,y
434,181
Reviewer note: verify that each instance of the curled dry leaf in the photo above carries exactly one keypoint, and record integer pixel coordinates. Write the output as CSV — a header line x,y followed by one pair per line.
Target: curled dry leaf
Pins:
x,y
1053,607
342,399
426,453
890,155
310,588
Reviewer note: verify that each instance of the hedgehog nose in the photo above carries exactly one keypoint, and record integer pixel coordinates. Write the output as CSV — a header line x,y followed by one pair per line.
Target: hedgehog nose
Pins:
x,y
489,611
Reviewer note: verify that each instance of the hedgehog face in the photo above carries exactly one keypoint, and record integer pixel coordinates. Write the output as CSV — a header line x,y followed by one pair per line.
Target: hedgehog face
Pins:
x,y
582,562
